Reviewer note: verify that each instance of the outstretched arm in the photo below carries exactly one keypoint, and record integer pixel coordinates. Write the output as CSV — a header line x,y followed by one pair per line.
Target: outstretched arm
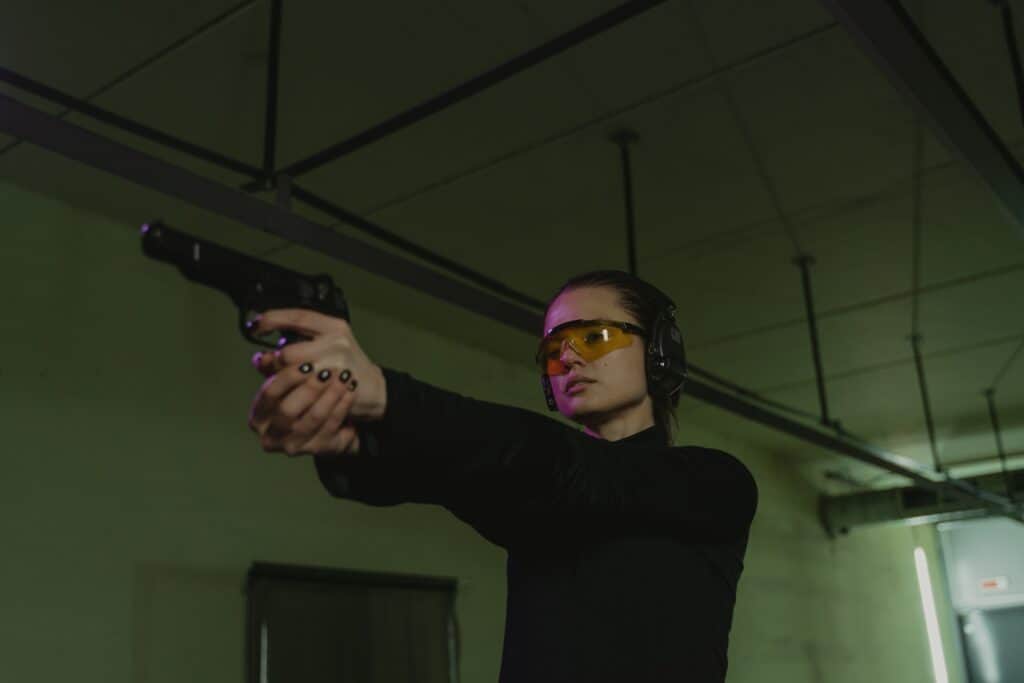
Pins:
x,y
420,443
543,475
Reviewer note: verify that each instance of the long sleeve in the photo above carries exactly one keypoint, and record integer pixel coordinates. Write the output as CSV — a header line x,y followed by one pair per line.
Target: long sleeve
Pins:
x,y
501,467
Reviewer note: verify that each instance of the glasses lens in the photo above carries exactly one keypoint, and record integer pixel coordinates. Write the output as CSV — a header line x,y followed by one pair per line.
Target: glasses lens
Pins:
x,y
590,342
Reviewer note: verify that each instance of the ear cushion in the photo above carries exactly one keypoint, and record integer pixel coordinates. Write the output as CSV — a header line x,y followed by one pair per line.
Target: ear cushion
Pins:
x,y
549,396
666,353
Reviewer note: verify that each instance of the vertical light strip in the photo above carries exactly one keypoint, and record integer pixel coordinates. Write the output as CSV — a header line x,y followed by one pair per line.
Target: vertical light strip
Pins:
x,y
931,619
264,655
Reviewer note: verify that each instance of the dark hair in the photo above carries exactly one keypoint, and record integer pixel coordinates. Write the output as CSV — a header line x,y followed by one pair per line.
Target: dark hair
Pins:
x,y
638,298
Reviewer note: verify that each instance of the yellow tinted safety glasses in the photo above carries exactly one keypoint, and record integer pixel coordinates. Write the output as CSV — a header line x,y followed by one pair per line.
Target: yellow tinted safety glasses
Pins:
x,y
590,339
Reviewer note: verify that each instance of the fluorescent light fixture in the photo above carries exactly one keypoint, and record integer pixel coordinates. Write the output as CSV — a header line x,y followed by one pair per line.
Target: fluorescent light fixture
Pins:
x,y
263,653
931,619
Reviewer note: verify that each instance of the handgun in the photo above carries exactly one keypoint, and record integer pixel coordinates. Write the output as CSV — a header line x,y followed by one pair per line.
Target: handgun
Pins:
x,y
253,285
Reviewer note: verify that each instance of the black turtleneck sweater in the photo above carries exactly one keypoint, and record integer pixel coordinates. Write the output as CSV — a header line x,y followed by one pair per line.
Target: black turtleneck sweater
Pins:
x,y
623,556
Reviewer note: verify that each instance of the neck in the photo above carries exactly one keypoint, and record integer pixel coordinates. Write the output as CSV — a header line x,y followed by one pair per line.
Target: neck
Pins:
x,y
622,423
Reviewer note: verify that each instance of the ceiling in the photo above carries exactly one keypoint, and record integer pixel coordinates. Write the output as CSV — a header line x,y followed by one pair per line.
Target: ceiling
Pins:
x,y
764,132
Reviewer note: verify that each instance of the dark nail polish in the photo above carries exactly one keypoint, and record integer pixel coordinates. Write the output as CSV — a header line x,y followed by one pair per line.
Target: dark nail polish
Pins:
x,y
306,368
252,324
353,385
345,374
324,375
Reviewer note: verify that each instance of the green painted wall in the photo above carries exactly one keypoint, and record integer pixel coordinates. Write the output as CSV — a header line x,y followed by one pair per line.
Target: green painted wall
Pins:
x,y
134,497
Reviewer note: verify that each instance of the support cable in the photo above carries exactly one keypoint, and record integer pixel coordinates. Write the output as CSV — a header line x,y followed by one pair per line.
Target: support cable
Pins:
x,y
624,138
270,119
990,396
915,340
917,222
915,335
1011,44
1006,366
804,261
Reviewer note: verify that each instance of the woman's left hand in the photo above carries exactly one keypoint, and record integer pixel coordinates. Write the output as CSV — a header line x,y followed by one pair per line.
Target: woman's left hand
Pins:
x,y
295,414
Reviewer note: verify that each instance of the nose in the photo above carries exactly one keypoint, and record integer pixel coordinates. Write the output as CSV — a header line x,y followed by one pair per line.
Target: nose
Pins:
x,y
568,352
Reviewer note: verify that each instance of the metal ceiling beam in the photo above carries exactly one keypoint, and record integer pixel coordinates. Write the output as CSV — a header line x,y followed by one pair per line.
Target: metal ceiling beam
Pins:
x,y
888,35
477,84
331,209
111,119
857,449
77,143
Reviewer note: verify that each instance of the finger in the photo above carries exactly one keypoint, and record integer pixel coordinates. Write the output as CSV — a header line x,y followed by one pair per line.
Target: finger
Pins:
x,y
274,390
353,445
265,363
308,323
300,399
312,419
272,362
297,353
332,435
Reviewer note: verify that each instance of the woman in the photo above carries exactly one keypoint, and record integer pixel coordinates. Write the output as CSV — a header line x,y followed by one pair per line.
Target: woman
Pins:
x,y
624,552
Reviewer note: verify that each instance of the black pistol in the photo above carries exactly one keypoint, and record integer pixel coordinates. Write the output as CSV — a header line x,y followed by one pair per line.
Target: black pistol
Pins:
x,y
253,285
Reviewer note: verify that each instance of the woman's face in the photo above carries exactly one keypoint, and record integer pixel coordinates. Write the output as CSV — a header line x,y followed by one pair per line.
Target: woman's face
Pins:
x,y
619,383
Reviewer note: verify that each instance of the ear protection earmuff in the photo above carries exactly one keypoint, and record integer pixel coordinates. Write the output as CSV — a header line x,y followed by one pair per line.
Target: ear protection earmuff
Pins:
x,y
664,355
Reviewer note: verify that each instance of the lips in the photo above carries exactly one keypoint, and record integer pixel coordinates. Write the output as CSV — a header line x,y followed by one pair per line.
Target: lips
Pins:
x,y
578,380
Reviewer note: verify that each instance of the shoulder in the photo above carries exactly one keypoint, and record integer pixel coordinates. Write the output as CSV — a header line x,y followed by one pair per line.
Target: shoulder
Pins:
x,y
718,459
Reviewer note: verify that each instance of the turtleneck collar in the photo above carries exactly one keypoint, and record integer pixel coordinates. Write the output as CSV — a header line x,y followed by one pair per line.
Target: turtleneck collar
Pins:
x,y
652,436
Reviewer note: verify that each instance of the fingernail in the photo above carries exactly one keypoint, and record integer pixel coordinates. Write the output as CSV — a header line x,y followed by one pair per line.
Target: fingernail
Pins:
x,y
257,358
324,375
252,324
306,368
345,374
353,385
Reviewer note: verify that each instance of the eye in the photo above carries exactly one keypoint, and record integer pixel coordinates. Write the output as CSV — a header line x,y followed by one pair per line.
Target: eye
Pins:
x,y
593,337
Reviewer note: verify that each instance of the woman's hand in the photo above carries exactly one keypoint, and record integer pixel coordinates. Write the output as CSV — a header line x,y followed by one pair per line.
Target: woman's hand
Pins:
x,y
314,387
299,414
